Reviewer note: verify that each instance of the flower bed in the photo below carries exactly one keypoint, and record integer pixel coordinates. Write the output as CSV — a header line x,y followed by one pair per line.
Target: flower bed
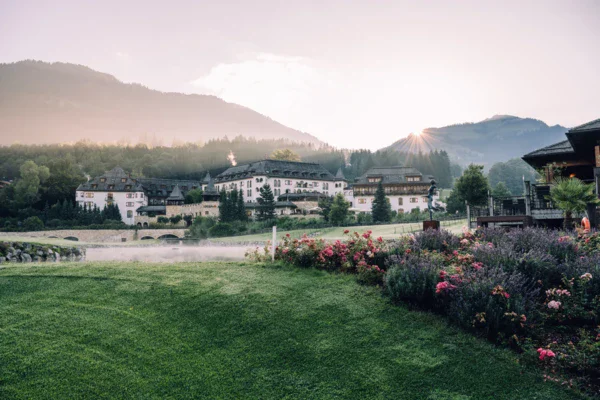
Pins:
x,y
535,290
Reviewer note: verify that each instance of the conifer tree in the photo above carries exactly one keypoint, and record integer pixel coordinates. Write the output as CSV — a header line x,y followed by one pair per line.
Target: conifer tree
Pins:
x,y
339,209
224,206
241,208
266,210
381,210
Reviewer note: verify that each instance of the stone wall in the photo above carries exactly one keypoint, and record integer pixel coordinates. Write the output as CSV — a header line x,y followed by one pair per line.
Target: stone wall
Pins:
x,y
31,252
101,235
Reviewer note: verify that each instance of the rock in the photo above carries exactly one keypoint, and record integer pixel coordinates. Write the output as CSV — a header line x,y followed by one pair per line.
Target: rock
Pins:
x,y
36,259
25,257
40,253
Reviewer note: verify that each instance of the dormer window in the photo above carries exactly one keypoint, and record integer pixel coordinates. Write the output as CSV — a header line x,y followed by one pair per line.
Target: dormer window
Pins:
x,y
127,187
94,186
123,180
102,180
111,187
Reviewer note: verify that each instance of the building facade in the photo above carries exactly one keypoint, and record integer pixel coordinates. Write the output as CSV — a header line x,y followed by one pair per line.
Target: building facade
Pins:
x,y
405,187
113,187
284,177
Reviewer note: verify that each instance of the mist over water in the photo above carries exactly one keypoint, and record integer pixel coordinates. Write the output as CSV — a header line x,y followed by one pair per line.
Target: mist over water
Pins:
x,y
167,254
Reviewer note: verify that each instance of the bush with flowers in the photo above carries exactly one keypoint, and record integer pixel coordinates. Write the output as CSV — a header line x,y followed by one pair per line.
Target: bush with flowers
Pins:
x,y
535,290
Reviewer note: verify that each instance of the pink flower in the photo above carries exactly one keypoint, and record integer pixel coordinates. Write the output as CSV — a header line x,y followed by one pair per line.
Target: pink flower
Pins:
x,y
443,287
506,295
455,252
477,265
554,304
346,231
490,245
443,275
545,353
380,239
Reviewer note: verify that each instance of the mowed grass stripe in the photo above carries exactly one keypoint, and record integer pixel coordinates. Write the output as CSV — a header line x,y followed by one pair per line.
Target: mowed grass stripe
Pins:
x,y
234,330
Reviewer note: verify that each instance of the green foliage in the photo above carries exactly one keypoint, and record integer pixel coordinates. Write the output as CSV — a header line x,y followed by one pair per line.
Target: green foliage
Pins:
x,y
175,219
266,210
27,187
472,186
285,155
325,204
572,196
339,210
231,206
221,229
194,196
241,214
512,173
162,220
381,209
200,227
33,224
500,191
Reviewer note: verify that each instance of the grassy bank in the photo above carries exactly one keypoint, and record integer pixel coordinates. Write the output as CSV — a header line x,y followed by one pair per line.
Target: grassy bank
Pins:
x,y
234,330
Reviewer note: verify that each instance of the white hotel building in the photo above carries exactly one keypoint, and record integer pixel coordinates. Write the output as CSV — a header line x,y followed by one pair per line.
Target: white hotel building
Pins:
x,y
114,187
283,177
405,187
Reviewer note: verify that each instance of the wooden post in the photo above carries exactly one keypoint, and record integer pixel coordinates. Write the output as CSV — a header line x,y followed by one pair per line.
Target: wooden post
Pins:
x,y
468,216
527,198
490,204
273,243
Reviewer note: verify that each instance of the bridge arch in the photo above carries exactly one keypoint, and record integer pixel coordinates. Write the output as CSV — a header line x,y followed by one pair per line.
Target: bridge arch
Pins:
x,y
147,238
168,236
71,238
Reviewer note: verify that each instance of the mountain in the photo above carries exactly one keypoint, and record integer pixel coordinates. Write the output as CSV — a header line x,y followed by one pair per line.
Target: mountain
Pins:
x,y
58,102
499,138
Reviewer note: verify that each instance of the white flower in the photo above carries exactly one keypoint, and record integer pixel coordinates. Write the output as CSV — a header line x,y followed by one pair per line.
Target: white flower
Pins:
x,y
586,277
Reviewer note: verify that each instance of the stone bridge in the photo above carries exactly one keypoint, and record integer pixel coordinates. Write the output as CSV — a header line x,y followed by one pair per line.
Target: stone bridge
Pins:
x,y
102,235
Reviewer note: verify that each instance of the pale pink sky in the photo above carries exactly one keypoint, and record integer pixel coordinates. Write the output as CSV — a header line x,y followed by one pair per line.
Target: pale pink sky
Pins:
x,y
353,73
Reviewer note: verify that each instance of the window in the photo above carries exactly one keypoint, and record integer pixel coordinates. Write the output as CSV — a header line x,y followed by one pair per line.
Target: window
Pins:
x,y
249,193
111,187
94,186
425,199
400,211
129,195
362,201
242,184
205,212
413,179
90,204
288,182
102,180
123,180
89,195
141,195
81,194
129,204
374,180
249,184
129,213
414,199
400,201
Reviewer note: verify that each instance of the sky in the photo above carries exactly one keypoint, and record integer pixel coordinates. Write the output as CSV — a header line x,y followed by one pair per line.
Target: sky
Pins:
x,y
356,74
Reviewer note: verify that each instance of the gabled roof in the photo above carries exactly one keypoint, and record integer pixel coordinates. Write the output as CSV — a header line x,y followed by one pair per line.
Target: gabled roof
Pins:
x,y
588,126
115,180
157,187
276,168
563,147
391,175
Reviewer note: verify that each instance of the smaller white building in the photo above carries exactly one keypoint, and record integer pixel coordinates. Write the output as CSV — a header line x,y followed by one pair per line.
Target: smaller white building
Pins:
x,y
405,187
114,187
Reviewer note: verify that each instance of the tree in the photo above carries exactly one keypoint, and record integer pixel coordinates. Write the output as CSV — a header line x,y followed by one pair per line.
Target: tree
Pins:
x,y
194,196
325,206
224,209
33,224
472,186
339,209
28,186
175,219
241,214
572,196
501,191
285,155
381,210
512,173
266,201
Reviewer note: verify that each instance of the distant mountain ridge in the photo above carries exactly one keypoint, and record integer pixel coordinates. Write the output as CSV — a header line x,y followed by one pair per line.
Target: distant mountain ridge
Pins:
x,y
59,102
494,139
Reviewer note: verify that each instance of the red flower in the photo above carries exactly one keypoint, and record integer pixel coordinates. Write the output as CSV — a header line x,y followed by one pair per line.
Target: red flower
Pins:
x,y
380,239
408,251
346,231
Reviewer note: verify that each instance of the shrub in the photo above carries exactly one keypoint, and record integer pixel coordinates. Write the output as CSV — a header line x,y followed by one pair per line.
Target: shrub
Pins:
x,y
162,220
414,280
33,224
435,240
221,229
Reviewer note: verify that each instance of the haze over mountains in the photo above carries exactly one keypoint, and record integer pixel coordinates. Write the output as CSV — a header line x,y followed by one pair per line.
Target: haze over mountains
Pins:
x,y
499,138
59,102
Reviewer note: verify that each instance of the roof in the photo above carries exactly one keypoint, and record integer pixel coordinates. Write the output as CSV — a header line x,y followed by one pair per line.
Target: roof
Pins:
x,y
157,187
302,196
278,204
276,168
588,126
176,194
151,209
339,176
115,180
392,175
563,147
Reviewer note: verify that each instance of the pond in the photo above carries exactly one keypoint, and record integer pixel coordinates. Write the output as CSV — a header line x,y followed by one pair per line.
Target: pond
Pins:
x,y
168,254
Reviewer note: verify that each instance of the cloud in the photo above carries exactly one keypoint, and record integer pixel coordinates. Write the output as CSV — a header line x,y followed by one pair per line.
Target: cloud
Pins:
x,y
268,83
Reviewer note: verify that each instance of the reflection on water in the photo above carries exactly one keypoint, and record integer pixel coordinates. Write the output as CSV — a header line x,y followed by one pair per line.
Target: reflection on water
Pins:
x,y
167,253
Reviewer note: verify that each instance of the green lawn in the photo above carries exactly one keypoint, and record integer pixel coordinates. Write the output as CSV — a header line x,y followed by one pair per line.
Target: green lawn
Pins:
x,y
388,231
232,331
